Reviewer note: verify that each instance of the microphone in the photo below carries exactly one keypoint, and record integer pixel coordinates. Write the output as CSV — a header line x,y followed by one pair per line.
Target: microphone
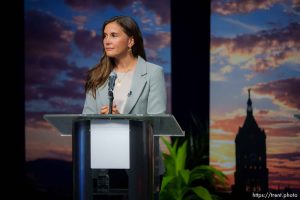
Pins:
x,y
129,93
111,84
111,81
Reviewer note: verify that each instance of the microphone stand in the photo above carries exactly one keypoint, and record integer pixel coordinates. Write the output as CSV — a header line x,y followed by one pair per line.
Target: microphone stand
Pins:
x,y
111,85
111,98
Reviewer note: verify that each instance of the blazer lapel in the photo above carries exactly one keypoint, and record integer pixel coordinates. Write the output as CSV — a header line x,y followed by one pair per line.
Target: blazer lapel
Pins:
x,y
138,83
103,95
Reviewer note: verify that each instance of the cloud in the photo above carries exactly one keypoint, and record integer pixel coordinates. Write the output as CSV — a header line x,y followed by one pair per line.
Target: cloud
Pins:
x,y
287,167
278,123
154,43
275,123
248,77
50,79
263,112
44,141
88,42
243,25
240,7
61,154
45,50
160,8
48,88
263,51
46,144
227,69
96,4
292,9
291,131
228,123
37,26
157,41
35,68
220,75
214,76
296,4
284,168
286,156
33,125
80,21
284,93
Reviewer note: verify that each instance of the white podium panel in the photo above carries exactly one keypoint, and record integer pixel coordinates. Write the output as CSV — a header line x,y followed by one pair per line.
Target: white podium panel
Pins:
x,y
110,144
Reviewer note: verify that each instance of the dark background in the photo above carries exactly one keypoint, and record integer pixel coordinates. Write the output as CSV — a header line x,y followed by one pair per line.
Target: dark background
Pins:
x,y
12,100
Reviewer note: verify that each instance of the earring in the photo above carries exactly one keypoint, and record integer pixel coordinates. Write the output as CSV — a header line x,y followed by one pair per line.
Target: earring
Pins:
x,y
130,50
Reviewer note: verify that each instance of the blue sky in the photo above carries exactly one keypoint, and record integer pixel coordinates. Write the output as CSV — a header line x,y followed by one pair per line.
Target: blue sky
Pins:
x,y
91,18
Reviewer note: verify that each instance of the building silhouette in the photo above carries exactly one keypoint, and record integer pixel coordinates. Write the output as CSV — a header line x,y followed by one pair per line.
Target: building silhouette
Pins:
x,y
251,175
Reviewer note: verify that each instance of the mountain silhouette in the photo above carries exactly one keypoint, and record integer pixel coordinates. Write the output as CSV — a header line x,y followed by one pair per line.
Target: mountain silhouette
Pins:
x,y
49,179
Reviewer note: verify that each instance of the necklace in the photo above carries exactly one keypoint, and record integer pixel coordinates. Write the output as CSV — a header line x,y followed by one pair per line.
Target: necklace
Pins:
x,y
119,79
122,76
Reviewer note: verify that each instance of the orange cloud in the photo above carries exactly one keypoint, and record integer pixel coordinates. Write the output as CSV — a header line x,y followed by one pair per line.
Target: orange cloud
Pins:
x,y
235,7
283,92
44,141
292,131
275,123
284,170
36,151
262,51
229,124
296,3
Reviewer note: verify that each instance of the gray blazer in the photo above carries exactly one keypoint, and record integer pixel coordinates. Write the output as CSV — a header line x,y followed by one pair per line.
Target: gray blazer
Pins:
x,y
148,92
148,95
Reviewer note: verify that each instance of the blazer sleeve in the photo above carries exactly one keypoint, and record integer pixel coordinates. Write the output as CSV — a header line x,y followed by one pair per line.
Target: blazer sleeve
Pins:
x,y
90,105
157,96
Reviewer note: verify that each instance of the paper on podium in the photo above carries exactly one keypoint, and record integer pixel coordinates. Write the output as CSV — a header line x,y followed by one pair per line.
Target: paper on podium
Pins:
x,y
110,144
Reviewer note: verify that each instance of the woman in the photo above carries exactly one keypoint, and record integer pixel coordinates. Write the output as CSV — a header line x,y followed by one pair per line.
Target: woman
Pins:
x,y
140,85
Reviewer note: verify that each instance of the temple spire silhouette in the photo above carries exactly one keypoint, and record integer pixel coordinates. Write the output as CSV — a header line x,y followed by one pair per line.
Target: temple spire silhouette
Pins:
x,y
249,103
251,173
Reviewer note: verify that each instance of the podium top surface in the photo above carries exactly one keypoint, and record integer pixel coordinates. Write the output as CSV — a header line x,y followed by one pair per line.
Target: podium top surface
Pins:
x,y
162,124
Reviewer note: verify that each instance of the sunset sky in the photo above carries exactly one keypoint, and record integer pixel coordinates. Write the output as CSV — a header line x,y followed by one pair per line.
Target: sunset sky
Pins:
x,y
63,41
256,44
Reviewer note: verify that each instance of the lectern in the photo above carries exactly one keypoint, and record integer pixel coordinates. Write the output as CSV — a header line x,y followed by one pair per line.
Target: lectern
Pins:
x,y
115,142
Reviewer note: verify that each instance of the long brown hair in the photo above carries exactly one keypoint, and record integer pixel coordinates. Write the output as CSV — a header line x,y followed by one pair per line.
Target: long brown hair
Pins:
x,y
98,74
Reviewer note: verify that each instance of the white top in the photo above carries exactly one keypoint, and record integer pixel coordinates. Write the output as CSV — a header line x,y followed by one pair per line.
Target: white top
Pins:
x,y
122,89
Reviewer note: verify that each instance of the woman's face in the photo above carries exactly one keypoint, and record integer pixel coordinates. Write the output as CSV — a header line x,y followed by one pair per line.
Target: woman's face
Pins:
x,y
116,43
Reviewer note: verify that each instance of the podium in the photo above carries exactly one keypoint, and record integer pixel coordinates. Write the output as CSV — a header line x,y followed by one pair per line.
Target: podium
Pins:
x,y
124,141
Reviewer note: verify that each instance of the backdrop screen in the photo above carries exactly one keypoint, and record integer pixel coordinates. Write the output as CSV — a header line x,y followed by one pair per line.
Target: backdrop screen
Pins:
x,y
62,41
256,45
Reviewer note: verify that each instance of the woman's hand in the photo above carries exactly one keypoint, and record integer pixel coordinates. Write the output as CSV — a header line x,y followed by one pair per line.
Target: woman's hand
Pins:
x,y
105,110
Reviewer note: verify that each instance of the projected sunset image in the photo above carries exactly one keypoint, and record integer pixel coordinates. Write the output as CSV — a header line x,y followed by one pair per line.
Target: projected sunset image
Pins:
x,y
62,41
256,45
